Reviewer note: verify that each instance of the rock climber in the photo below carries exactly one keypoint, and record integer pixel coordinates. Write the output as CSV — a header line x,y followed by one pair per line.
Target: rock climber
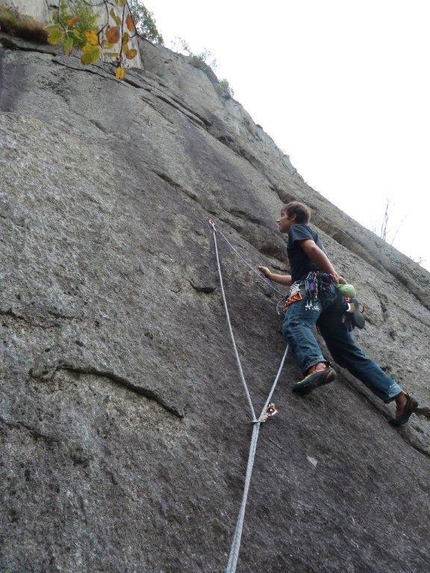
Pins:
x,y
314,299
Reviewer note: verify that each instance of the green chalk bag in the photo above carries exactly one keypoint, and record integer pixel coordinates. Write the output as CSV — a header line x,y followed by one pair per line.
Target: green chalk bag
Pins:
x,y
346,290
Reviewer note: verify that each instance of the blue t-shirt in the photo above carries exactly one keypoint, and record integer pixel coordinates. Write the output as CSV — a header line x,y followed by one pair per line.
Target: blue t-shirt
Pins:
x,y
300,263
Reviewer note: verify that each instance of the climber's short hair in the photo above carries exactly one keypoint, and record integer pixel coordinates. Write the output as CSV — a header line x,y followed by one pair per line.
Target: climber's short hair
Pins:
x,y
300,210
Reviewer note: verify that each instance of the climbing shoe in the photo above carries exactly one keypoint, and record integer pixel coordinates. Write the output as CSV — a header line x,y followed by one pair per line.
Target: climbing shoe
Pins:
x,y
313,380
356,309
403,414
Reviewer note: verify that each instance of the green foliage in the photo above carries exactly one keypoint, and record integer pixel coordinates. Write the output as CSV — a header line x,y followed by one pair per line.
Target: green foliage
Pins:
x,y
203,61
144,22
224,90
73,20
15,24
199,62
91,54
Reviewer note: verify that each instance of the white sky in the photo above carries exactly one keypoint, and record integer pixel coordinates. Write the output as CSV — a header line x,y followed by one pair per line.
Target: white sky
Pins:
x,y
342,86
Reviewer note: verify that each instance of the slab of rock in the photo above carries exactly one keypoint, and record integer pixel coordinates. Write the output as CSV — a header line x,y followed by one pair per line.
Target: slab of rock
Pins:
x,y
125,429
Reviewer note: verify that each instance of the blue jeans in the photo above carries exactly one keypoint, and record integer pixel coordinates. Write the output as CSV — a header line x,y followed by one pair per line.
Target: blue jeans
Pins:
x,y
298,330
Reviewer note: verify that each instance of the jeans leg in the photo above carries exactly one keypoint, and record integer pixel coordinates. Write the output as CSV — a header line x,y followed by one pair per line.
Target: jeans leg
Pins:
x,y
347,354
298,330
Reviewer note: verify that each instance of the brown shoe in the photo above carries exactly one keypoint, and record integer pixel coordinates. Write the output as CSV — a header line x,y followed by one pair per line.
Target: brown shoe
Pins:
x,y
313,380
404,413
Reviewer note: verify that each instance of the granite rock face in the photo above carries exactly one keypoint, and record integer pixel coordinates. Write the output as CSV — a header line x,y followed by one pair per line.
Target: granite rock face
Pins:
x,y
125,428
40,10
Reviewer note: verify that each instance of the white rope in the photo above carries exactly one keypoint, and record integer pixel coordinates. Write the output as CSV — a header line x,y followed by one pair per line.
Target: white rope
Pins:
x,y
242,377
258,273
235,546
269,398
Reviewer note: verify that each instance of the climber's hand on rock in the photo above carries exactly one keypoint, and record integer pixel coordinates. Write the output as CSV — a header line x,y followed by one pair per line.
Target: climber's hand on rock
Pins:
x,y
266,271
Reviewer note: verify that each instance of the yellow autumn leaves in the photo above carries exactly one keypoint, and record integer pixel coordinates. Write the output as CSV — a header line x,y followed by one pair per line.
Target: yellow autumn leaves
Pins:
x,y
75,28
130,24
92,37
119,73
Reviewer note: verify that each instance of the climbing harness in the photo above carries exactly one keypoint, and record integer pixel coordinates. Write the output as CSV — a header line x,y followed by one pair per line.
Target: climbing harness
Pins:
x,y
269,411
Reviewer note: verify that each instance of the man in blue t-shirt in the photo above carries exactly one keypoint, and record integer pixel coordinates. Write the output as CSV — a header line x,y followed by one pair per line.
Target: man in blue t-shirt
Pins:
x,y
313,298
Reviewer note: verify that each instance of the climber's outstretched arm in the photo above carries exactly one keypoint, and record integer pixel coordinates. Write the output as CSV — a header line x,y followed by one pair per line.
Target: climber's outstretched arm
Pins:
x,y
281,279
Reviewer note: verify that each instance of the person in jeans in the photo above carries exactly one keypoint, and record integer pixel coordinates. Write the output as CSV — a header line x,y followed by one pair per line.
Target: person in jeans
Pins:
x,y
314,299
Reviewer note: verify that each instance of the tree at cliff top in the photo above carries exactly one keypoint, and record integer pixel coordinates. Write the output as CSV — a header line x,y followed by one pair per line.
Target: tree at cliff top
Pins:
x,y
144,22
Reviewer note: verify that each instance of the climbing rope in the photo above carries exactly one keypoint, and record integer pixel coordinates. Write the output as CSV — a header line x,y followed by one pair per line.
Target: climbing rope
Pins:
x,y
253,269
239,364
269,410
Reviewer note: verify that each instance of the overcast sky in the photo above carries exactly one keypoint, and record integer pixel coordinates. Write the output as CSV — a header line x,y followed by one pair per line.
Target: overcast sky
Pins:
x,y
342,86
